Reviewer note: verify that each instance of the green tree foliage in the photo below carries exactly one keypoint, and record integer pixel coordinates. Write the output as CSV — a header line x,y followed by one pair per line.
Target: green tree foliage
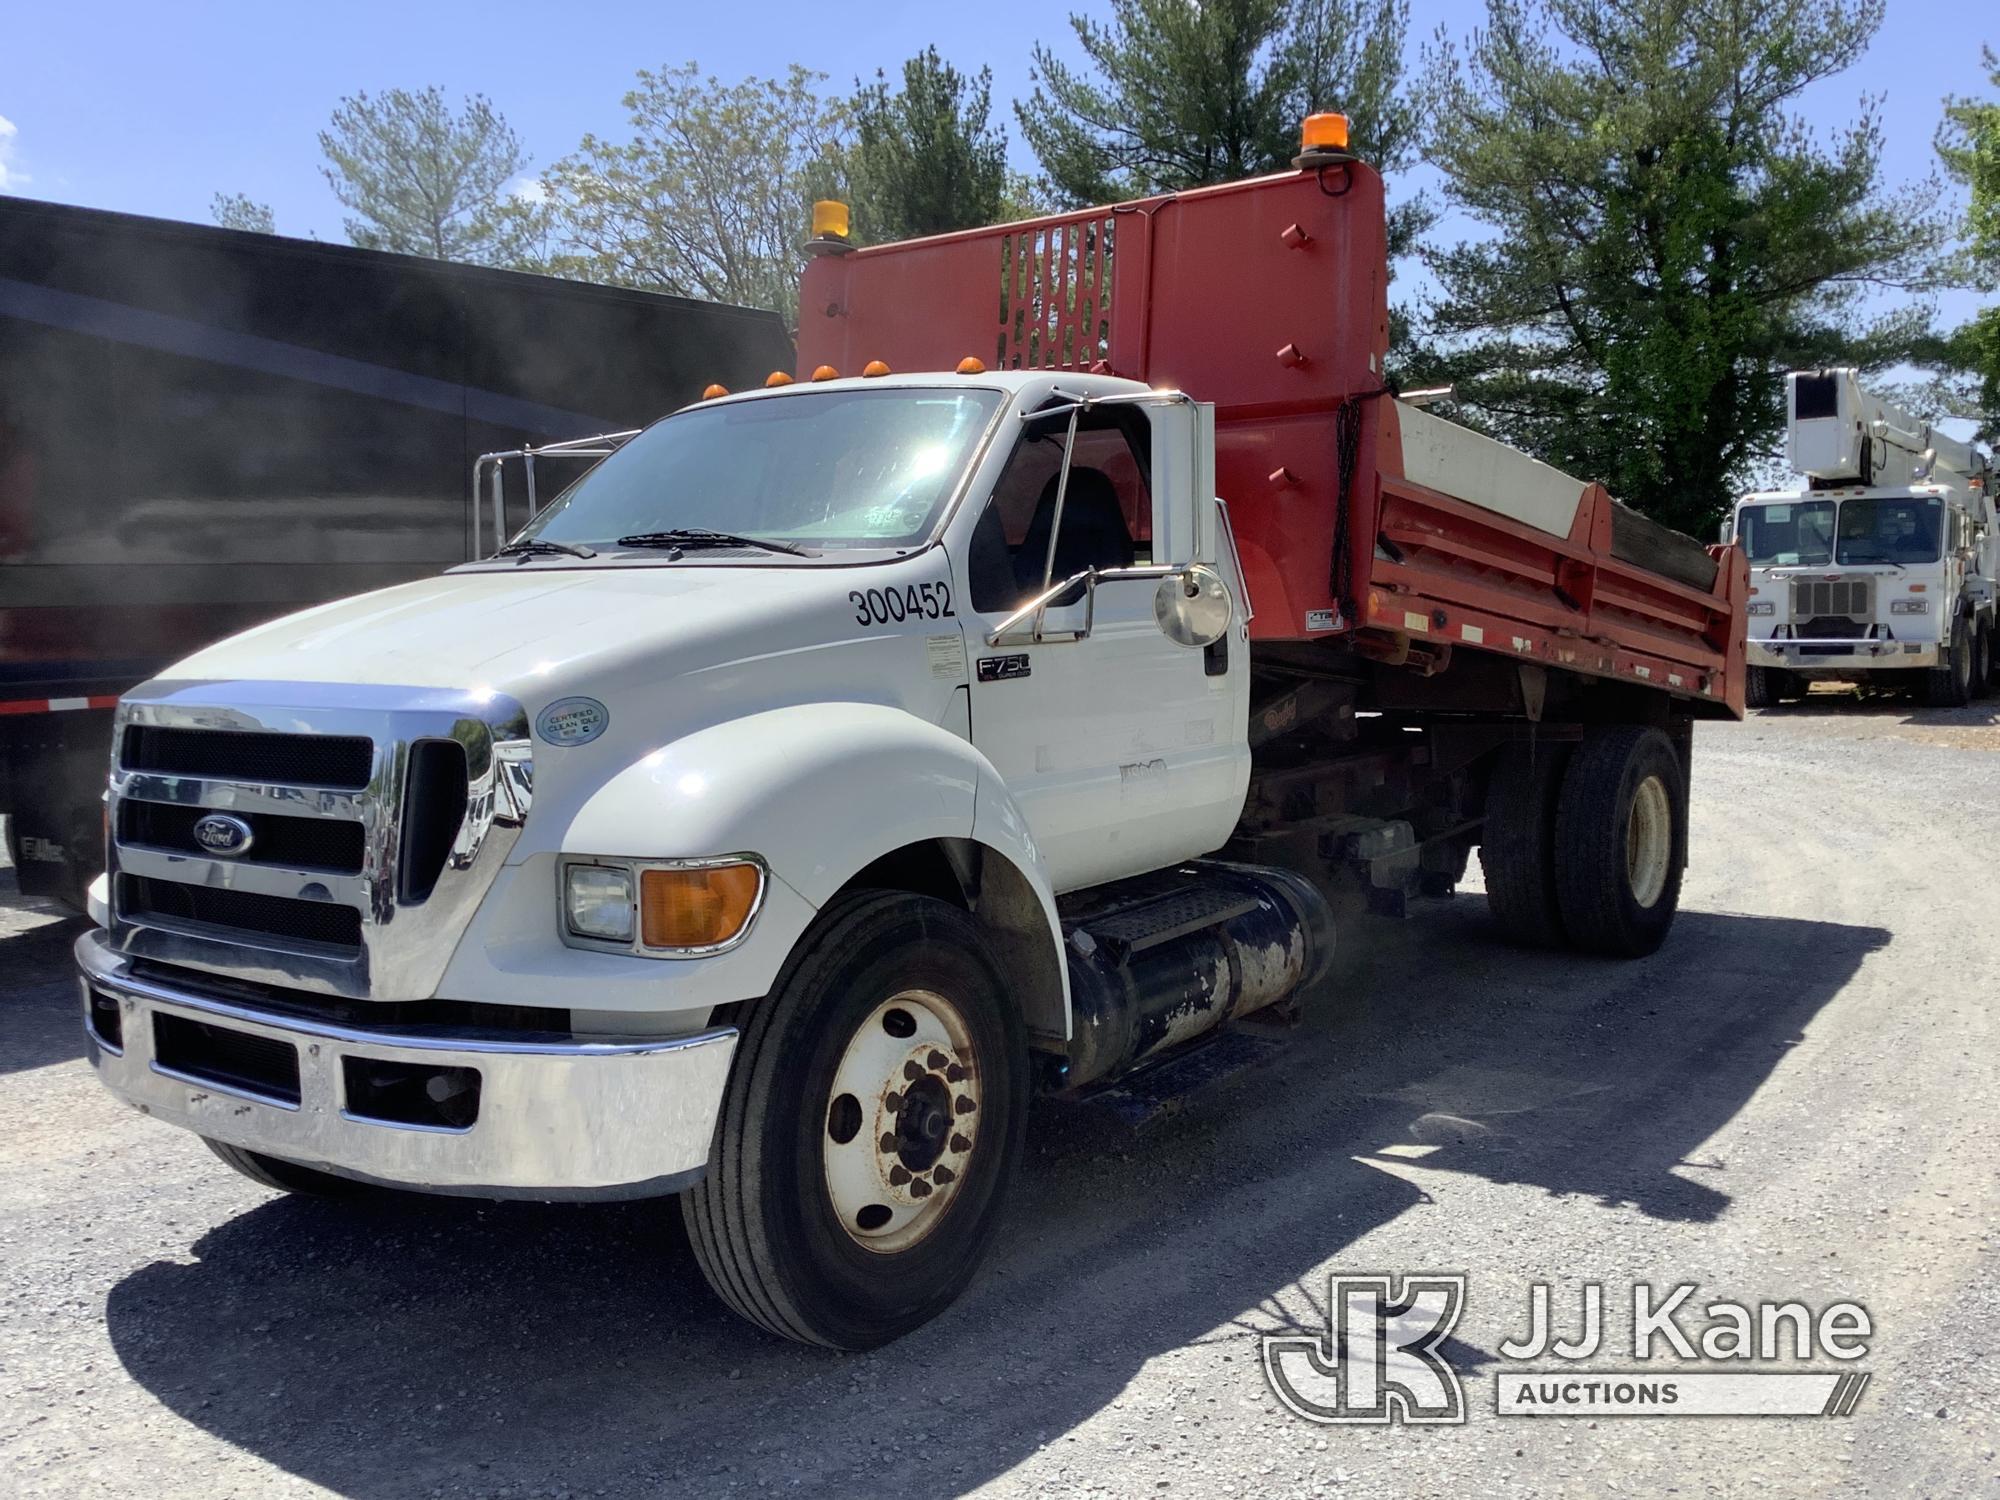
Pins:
x,y
1182,93
925,158
423,180
241,211
1969,143
711,197
1666,238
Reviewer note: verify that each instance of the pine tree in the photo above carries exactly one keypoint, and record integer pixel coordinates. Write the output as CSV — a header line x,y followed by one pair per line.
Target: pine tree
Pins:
x,y
1665,237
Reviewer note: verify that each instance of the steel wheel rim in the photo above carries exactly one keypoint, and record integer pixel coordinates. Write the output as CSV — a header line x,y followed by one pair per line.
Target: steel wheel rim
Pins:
x,y
1649,841
898,1126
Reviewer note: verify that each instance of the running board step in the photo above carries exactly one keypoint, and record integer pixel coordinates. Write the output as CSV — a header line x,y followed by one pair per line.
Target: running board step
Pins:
x,y
1161,919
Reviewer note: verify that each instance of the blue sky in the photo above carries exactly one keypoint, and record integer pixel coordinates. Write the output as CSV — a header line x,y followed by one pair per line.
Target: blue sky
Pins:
x,y
153,108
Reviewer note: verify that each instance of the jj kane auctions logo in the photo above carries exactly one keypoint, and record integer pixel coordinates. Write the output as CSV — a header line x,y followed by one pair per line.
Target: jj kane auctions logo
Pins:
x,y
1381,1359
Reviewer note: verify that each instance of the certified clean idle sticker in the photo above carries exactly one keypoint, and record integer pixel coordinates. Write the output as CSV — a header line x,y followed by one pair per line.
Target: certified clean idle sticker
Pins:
x,y
572,721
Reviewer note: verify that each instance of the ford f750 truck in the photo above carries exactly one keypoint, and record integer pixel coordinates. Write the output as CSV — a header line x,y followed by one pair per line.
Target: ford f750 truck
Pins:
x,y
986,712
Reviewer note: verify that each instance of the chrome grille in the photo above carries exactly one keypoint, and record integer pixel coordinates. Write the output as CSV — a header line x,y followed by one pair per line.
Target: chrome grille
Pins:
x,y
336,845
1852,597
242,755
378,818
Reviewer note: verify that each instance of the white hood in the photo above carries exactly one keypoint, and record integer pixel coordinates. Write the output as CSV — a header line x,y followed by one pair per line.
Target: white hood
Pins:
x,y
529,629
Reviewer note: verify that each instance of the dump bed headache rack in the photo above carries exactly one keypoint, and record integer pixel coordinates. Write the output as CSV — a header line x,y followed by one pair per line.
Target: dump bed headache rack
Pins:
x,y
1357,516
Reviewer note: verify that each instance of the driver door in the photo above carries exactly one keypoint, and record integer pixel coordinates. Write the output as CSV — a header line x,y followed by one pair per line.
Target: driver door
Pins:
x,y
1125,751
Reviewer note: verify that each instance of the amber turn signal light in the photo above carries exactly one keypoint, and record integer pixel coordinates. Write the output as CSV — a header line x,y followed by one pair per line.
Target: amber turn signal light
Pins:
x,y
701,906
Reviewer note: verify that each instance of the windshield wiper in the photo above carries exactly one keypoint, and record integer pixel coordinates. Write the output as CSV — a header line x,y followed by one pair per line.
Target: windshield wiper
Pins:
x,y
681,537
535,545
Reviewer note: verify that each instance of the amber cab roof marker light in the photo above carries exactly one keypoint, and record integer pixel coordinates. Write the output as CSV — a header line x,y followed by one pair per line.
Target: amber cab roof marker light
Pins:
x,y
971,365
826,372
713,391
873,369
776,378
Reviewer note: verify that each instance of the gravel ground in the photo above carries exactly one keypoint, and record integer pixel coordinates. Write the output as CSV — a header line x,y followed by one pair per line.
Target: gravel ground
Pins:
x,y
1795,1098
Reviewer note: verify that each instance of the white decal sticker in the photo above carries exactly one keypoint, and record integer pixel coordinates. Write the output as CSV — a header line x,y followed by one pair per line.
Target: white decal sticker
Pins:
x,y
946,654
1473,634
1415,623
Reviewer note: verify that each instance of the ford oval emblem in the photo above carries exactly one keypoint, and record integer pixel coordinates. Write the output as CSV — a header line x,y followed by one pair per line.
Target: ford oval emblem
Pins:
x,y
573,721
223,835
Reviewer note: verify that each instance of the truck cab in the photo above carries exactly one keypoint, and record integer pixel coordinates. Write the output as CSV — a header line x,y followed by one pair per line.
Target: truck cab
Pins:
x,y
1880,568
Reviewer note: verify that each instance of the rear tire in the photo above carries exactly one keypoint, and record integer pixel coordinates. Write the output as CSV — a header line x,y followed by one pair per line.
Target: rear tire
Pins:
x,y
1517,850
816,1114
1982,660
1949,684
1621,841
1757,688
288,1176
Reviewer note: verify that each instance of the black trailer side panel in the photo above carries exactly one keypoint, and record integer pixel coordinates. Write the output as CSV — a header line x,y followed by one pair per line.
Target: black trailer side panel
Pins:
x,y
201,429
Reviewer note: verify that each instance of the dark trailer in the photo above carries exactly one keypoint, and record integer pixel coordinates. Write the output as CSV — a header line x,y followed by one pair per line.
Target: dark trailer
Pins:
x,y
201,429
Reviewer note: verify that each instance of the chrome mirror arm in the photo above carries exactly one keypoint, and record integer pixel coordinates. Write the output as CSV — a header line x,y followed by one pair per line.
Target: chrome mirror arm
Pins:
x,y
1008,633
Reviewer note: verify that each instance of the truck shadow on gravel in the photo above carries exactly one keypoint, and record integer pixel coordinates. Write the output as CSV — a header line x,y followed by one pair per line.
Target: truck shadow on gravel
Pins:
x,y
41,1022
413,1347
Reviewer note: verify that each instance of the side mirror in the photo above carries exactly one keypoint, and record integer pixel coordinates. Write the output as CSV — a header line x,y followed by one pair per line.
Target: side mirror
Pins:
x,y
1183,479
1192,606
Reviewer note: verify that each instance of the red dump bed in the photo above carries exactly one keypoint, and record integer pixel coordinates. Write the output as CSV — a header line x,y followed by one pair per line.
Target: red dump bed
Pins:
x,y
1355,515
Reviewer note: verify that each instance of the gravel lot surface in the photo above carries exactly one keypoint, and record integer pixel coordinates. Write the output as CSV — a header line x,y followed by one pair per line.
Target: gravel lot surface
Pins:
x,y
1795,1099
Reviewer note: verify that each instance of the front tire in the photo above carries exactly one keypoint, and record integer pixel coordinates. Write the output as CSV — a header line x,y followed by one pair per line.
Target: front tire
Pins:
x,y
1621,841
1982,660
1757,688
872,1123
1949,684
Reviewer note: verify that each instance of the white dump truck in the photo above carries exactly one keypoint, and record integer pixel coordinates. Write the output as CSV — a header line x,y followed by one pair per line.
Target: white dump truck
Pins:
x,y
838,764
1880,566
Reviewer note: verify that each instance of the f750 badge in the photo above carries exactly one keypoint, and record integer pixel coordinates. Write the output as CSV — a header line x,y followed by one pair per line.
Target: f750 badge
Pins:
x,y
1003,668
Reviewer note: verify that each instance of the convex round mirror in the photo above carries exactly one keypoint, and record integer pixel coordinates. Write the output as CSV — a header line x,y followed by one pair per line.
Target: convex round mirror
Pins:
x,y
1193,606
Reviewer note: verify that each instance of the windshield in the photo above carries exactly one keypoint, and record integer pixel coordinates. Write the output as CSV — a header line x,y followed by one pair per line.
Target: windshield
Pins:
x,y
1891,531
1799,532
823,469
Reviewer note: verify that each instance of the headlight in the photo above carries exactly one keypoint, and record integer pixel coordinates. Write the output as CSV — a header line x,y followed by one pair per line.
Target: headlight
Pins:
x,y
597,900
1761,607
664,908
1909,606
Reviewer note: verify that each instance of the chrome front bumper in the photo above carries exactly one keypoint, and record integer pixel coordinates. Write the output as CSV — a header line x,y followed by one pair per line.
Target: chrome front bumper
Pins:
x,y
555,1119
1841,656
